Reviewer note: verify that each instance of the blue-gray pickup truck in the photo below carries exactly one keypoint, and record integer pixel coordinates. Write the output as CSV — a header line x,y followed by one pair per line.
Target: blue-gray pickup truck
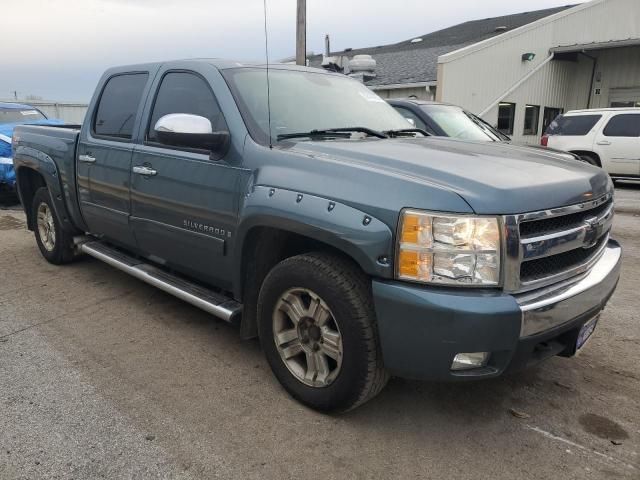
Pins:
x,y
299,205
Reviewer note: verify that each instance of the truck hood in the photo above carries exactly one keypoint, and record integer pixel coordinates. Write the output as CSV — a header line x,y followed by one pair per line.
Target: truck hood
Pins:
x,y
493,178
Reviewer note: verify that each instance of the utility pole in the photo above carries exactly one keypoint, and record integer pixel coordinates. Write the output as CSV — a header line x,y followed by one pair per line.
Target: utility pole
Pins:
x,y
301,33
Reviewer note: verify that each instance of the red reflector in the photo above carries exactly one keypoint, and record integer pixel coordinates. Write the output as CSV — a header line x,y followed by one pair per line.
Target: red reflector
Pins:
x,y
544,141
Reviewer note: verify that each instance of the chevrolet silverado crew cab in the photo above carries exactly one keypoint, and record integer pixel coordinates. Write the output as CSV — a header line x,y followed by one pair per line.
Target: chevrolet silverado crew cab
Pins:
x,y
318,219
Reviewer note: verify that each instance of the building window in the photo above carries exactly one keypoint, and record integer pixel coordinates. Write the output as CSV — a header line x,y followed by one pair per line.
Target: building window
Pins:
x,y
549,115
506,116
531,117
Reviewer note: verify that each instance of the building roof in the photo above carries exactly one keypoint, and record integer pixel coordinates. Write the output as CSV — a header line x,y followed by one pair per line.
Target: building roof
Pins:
x,y
412,61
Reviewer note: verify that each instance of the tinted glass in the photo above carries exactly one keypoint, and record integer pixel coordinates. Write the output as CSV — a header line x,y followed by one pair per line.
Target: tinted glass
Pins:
x,y
119,105
576,125
408,114
14,115
550,114
304,101
623,126
182,92
506,116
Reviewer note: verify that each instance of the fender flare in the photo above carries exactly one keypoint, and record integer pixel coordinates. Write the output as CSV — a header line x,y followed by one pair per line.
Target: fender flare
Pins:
x,y
27,158
364,238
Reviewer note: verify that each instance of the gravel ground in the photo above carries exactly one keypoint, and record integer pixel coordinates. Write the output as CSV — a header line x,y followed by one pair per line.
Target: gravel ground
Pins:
x,y
102,376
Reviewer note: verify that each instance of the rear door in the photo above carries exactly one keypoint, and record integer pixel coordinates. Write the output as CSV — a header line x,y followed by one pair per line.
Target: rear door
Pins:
x,y
104,156
184,214
618,144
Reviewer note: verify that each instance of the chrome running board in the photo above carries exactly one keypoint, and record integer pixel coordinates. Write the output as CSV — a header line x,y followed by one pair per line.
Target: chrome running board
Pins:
x,y
208,300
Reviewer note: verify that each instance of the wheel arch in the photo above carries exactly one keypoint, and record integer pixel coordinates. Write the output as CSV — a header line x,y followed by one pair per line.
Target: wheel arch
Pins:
x,y
589,153
270,234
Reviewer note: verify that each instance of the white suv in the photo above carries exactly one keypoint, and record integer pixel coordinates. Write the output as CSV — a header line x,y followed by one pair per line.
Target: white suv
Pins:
x,y
608,137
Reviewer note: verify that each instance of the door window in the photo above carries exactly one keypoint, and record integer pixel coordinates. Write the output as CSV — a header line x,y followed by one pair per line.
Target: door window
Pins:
x,y
118,106
626,125
184,92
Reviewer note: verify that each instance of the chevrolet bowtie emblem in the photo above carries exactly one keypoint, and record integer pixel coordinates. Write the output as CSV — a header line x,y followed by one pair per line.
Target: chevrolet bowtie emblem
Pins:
x,y
591,230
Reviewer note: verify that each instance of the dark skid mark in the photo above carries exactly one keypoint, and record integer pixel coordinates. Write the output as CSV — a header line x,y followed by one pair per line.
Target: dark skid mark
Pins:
x,y
8,222
602,427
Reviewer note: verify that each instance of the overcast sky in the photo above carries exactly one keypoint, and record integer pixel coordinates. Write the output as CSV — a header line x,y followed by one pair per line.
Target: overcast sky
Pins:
x,y
57,49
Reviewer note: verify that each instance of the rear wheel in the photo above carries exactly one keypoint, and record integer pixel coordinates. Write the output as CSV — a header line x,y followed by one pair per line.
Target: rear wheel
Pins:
x,y
318,332
592,159
55,244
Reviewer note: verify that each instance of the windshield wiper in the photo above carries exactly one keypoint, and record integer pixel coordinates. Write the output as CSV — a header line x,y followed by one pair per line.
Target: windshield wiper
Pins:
x,y
343,132
405,132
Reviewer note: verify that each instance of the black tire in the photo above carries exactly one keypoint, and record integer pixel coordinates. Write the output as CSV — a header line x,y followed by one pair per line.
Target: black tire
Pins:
x,y
62,249
592,159
347,293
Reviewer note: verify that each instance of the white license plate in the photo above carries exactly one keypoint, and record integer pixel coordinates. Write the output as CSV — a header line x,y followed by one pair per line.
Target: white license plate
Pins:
x,y
586,331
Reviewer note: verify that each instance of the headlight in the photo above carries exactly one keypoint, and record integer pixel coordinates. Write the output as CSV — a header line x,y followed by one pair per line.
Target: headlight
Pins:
x,y
448,249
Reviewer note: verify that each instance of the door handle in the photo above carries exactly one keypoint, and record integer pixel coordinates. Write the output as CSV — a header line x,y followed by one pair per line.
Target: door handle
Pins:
x,y
144,170
87,159
603,142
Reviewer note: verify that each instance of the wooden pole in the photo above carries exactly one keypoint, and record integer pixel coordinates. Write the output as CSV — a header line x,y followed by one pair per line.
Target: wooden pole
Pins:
x,y
301,33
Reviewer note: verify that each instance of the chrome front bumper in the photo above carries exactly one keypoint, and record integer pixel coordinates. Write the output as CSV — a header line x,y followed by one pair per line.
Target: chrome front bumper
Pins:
x,y
556,305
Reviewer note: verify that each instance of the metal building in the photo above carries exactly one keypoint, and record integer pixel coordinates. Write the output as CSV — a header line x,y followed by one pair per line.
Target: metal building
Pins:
x,y
587,56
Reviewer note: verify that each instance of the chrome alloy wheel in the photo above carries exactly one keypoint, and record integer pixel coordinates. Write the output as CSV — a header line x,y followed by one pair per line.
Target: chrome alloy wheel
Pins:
x,y
307,337
46,227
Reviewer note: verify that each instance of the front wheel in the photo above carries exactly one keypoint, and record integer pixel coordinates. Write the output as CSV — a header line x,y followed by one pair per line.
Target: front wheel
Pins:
x,y
318,332
55,244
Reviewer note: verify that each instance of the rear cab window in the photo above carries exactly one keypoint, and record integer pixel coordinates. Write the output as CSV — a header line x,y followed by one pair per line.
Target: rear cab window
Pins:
x,y
573,125
118,106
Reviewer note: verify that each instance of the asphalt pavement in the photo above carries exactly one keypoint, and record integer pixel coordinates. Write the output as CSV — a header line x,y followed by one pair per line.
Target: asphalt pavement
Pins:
x,y
102,376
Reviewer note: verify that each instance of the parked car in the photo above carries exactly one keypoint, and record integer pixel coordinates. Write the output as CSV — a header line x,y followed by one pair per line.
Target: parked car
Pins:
x,y
447,120
608,138
354,247
12,114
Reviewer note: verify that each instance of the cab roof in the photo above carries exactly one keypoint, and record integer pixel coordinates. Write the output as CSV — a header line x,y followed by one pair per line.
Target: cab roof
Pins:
x,y
16,106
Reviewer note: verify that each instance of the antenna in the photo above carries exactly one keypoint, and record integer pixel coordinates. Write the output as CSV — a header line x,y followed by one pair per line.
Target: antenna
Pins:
x,y
266,51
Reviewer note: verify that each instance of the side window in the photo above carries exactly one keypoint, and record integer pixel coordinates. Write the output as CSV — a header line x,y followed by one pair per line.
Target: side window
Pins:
x,y
626,125
183,92
119,105
408,114
506,117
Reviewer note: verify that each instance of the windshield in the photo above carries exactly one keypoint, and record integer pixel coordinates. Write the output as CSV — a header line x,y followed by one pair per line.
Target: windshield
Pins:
x,y
16,115
303,101
456,123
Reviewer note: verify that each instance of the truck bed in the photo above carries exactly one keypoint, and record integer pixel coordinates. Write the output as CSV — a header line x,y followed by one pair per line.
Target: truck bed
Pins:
x,y
51,150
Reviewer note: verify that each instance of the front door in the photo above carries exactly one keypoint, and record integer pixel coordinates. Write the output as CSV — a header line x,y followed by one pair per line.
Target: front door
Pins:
x,y
618,144
183,203
104,158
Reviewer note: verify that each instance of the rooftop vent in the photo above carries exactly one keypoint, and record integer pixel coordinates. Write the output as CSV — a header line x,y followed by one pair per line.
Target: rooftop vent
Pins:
x,y
362,67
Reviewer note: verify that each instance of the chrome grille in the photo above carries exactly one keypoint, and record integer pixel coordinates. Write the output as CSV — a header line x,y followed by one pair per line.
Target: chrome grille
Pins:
x,y
546,247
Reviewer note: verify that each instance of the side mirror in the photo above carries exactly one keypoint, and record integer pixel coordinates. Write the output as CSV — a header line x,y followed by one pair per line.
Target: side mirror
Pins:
x,y
190,131
410,120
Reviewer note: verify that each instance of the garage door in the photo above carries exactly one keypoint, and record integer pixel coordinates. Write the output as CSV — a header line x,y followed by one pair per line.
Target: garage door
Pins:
x,y
624,97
